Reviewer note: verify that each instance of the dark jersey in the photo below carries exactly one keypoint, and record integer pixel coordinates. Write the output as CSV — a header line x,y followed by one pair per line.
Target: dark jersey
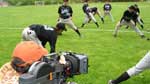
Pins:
x,y
107,7
94,9
45,34
135,16
65,11
127,16
137,10
86,9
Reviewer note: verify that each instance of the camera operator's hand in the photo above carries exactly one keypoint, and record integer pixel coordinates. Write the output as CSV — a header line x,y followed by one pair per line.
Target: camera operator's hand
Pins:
x,y
62,59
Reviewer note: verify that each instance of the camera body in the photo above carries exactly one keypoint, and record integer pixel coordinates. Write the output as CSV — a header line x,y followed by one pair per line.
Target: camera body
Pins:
x,y
50,71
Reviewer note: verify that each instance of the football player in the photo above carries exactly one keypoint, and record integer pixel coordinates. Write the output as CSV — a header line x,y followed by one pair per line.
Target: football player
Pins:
x,y
128,19
65,16
41,34
107,10
142,65
89,14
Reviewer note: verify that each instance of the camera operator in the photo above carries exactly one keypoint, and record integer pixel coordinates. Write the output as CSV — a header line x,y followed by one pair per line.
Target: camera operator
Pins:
x,y
23,56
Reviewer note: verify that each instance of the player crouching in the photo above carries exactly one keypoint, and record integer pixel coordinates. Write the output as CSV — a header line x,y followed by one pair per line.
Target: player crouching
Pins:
x,y
41,34
107,10
137,18
127,19
65,16
89,14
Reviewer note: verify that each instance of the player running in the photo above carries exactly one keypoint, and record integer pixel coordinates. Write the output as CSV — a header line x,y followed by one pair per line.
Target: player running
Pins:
x,y
127,19
107,10
89,14
65,16
142,65
41,34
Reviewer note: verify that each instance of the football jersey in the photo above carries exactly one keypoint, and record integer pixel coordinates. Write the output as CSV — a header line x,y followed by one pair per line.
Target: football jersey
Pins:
x,y
107,7
85,8
65,11
127,16
44,32
137,10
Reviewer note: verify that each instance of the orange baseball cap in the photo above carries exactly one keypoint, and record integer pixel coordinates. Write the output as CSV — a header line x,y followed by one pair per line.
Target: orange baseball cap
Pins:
x,y
29,51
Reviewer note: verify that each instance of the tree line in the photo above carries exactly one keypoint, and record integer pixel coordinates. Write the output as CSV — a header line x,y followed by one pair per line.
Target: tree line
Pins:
x,y
32,2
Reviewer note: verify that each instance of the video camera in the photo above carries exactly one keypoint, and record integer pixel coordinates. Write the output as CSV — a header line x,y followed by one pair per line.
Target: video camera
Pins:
x,y
56,68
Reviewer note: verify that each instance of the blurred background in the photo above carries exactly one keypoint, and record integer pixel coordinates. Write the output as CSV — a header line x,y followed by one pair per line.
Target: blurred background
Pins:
x,y
46,2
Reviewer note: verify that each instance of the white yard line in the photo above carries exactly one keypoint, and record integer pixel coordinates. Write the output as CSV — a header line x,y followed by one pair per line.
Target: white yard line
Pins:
x,y
130,4
101,30
104,30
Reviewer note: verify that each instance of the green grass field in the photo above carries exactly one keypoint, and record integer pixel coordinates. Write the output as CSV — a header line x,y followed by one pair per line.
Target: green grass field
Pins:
x,y
108,56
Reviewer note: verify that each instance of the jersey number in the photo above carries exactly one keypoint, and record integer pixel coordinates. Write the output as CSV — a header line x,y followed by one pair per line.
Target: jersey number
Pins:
x,y
48,28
